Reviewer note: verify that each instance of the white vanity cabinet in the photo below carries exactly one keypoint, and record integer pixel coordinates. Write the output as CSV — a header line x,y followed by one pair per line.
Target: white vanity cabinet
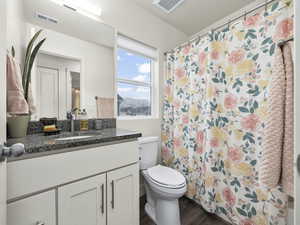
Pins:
x,y
84,202
95,186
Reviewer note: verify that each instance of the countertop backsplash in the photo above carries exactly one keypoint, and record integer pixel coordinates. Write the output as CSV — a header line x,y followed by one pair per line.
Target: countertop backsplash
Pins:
x,y
36,127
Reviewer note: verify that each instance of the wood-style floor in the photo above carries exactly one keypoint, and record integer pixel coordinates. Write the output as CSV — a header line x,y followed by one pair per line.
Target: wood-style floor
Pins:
x,y
191,214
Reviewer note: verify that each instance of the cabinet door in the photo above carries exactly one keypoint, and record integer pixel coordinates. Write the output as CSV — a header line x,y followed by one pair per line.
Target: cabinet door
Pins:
x,y
123,196
83,202
38,209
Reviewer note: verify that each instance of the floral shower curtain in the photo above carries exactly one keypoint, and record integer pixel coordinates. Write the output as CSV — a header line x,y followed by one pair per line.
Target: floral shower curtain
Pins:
x,y
216,91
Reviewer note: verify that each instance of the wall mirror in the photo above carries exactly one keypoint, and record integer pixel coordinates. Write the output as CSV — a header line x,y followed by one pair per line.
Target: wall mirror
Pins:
x,y
75,63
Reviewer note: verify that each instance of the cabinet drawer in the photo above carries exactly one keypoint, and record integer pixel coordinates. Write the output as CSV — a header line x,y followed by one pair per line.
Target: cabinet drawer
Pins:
x,y
30,211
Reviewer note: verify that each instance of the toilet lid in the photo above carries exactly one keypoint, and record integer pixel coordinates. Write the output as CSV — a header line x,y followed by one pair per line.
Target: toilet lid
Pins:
x,y
166,176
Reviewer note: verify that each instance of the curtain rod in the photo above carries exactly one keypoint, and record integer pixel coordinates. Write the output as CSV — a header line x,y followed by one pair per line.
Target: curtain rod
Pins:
x,y
243,15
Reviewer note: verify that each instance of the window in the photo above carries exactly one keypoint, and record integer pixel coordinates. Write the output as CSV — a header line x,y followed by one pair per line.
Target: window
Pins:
x,y
135,75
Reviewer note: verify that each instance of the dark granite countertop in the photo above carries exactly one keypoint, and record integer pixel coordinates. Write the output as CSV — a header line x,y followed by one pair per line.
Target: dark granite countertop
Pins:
x,y
38,145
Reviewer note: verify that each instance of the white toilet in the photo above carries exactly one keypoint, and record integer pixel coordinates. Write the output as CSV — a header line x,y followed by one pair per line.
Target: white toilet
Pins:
x,y
164,185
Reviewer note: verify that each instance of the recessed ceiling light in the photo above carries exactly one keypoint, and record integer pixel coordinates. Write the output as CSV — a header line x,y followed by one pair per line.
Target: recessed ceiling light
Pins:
x,y
82,7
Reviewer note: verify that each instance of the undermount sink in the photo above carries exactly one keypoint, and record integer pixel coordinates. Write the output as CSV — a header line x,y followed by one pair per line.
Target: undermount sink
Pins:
x,y
72,138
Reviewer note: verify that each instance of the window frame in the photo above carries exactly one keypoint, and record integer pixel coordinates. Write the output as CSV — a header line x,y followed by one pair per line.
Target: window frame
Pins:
x,y
136,83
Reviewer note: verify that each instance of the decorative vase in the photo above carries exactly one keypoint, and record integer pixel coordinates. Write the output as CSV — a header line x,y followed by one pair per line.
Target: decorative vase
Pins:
x,y
17,125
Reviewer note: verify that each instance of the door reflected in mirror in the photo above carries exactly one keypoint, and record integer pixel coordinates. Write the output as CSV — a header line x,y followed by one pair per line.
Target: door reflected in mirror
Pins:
x,y
56,86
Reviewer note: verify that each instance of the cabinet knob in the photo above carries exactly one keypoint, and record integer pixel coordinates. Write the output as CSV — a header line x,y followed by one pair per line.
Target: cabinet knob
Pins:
x,y
14,150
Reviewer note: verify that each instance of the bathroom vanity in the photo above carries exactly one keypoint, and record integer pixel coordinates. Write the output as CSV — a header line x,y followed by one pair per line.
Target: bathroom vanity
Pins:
x,y
96,182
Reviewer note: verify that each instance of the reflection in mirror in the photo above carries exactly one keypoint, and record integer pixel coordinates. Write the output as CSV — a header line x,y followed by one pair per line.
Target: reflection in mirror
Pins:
x,y
57,86
75,81
75,63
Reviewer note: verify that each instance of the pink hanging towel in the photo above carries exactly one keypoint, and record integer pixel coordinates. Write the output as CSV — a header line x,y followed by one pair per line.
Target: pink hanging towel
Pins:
x,y
16,103
278,148
105,107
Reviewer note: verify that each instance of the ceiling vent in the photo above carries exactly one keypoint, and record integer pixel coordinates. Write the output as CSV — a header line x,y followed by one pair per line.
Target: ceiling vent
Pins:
x,y
46,18
167,5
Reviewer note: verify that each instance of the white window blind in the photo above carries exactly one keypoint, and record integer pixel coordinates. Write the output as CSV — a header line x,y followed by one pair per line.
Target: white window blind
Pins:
x,y
136,46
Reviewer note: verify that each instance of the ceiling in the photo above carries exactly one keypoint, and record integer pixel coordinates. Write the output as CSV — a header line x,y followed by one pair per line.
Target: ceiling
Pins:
x,y
194,15
190,17
69,22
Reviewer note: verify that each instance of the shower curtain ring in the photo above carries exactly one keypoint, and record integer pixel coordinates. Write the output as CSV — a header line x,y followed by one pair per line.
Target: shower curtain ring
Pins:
x,y
228,25
245,16
266,6
199,38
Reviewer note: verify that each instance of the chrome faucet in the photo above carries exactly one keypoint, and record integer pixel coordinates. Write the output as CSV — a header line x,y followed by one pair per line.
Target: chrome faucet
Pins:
x,y
72,116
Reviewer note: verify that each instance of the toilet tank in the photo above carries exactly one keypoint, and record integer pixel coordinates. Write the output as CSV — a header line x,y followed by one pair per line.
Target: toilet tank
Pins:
x,y
148,147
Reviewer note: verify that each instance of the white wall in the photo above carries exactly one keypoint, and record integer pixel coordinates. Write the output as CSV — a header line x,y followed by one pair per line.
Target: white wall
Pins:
x,y
97,65
135,22
49,60
16,28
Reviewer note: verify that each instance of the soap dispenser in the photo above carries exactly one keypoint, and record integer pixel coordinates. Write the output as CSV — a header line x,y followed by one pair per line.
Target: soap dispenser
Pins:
x,y
84,122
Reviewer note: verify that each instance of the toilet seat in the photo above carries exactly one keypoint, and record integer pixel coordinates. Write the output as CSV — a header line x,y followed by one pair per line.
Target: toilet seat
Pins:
x,y
166,177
